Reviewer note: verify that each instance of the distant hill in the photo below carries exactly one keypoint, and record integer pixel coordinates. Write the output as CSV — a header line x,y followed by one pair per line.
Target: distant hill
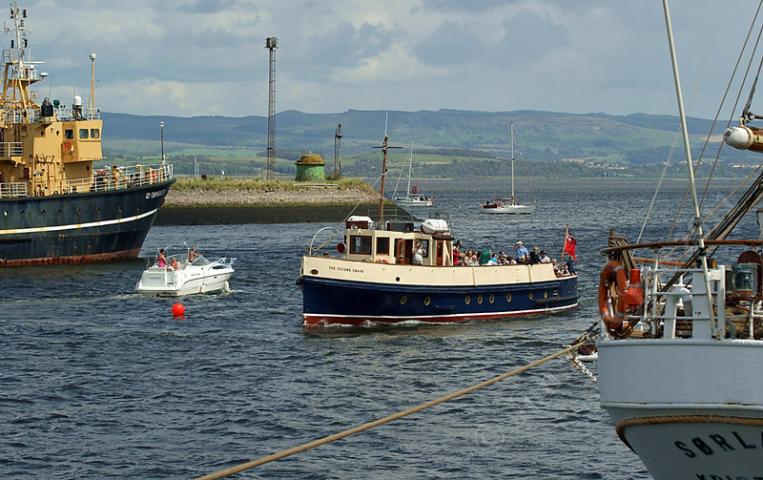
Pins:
x,y
637,139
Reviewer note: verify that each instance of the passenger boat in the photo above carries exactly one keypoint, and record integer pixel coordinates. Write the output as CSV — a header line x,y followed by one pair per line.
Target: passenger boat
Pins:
x,y
56,206
508,205
394,272
682,342
178,276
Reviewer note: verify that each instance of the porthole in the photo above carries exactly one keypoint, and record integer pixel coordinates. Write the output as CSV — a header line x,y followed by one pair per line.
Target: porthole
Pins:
x,y
313,272
491,298
427,300
479,299
397,279
530,295
508,297
403,300
467,299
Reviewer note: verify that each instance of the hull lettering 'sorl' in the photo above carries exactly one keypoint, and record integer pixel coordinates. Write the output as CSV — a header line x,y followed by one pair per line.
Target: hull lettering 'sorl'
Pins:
x,y
714,443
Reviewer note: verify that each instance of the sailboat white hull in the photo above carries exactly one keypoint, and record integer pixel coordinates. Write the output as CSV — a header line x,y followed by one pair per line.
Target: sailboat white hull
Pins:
x,y
414,202
690,409
508,209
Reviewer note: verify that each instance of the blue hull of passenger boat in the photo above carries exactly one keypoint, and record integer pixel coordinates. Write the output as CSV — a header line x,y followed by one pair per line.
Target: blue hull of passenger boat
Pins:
x,y
338,302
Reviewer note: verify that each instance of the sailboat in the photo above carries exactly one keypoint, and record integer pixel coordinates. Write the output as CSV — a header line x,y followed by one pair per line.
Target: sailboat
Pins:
x,y
682,343
508,205
413,197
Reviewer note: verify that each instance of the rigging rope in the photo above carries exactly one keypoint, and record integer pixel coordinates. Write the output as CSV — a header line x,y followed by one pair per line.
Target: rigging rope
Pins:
x,y
736,103
584,339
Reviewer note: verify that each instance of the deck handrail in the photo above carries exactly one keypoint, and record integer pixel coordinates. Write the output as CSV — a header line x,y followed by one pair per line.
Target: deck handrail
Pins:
x,y
13,189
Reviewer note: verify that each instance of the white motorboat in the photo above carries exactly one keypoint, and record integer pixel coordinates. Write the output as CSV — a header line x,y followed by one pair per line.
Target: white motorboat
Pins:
x,y
179,277
508,205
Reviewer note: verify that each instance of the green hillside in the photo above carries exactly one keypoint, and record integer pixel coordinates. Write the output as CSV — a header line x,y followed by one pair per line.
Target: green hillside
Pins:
x,y
447,142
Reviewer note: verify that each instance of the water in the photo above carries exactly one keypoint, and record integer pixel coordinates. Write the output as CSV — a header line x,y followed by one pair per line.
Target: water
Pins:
x,y
97,382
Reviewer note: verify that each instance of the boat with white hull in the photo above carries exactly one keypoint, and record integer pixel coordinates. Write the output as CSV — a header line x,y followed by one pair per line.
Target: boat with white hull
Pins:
x,y
413,197
395,272
199,276
508,206
682,341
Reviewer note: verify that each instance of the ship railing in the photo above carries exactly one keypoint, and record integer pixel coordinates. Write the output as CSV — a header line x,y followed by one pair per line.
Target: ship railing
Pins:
x,y
13,190
21,115
11,149
664,306
120,178
67,114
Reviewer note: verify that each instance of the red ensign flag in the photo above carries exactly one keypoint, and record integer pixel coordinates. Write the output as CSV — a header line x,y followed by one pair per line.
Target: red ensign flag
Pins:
x,y
569,246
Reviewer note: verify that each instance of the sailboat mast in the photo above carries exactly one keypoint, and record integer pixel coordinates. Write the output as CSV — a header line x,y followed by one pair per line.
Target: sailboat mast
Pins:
x,y
384,148
410,170
692,185
511,128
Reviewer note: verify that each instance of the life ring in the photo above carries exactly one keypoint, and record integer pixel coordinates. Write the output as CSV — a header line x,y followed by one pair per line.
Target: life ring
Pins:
x,y
68,147
624,297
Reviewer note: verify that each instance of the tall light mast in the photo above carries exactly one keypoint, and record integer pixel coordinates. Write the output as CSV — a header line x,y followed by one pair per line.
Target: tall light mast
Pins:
x,y
271,43
337,147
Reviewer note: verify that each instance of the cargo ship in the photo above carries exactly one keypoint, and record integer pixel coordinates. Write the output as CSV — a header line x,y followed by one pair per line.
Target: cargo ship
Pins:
x,y
56,206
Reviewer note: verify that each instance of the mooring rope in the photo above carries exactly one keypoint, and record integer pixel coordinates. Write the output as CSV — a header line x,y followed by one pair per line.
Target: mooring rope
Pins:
x,y
395,416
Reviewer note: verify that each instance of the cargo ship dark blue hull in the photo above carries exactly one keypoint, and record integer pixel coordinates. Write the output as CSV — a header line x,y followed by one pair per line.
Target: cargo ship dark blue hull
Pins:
x,y
80,227
353,303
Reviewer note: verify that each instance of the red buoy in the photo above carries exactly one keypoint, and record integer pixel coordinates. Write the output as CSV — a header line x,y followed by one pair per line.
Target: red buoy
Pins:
x,y
178,310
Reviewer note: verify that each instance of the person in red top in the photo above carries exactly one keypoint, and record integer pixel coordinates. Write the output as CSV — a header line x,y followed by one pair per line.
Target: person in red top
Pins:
x,y
161,259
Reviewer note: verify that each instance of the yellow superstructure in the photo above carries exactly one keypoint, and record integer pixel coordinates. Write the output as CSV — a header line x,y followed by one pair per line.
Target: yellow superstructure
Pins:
x,y
45,148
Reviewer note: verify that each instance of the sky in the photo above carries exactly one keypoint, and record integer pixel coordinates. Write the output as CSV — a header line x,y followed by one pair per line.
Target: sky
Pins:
x,y
208,57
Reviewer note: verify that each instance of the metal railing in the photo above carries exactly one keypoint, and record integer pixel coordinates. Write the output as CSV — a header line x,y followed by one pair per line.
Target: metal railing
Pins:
x,y
67,113
119,178
11,149
13,190
21,115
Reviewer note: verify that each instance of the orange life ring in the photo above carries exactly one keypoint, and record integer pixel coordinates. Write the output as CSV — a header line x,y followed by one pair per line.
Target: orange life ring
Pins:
x,y
68,147
629,295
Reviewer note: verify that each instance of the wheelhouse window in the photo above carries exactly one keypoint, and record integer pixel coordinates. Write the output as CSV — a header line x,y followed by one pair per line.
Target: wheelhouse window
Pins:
x,y
69,134
83,134
382,246
360,245
95,133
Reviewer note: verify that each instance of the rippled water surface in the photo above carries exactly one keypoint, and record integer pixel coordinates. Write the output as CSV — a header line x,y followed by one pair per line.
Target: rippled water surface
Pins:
x,y
96,382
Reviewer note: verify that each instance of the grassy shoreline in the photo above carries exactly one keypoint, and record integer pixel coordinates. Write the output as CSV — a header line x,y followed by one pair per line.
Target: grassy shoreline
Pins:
x,y
247,192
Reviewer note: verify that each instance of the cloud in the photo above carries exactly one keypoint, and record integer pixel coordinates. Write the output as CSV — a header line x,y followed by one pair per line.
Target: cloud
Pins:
x,y
207,56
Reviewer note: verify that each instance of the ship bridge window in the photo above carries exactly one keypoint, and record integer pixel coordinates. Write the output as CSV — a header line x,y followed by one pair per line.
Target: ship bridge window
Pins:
x,y
360,244
69,134
382,246
95,133
83,134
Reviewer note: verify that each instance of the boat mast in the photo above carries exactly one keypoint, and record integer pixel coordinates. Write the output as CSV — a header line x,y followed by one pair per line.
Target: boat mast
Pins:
x,y
410,169
384,147
511,128
692,185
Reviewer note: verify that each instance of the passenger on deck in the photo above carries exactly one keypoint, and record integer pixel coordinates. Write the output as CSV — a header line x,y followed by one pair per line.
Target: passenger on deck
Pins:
x,y
161,259
522,255
544,258
418,255
535,256
174,264
193,254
